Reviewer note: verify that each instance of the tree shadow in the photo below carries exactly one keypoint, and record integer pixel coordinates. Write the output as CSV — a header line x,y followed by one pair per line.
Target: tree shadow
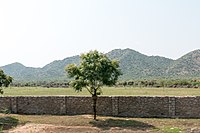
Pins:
x,y
121,124
7,123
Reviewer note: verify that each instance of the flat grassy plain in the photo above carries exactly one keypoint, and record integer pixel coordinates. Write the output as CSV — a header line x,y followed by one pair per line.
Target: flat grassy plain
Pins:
x,y
107,91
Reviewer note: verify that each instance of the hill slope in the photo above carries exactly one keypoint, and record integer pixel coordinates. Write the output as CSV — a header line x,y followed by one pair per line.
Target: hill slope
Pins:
x,y
21,73
133,64
186,66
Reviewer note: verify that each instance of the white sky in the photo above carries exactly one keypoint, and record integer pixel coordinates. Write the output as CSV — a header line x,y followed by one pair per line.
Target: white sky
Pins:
x,y
36,32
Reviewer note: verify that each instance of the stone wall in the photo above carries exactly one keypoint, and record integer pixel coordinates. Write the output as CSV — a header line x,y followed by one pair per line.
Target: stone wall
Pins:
x,y
41,105
144,106
125,106
188,107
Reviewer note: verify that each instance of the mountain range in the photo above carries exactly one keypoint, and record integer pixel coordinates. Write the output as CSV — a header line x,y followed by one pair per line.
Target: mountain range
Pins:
x,y
134,65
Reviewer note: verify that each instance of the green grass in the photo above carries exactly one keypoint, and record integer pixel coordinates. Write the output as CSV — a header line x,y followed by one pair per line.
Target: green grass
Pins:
x,y
107,91
171,130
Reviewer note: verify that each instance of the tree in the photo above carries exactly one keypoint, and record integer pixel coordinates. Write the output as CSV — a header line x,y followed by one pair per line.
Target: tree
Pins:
x,y
4,81
94,71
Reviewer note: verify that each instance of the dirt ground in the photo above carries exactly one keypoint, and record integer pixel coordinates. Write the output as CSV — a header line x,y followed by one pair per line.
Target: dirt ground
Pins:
x,y
47,128
15,123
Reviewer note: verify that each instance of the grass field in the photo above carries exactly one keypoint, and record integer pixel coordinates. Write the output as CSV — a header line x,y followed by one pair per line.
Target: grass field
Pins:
x,y
106,123
107,91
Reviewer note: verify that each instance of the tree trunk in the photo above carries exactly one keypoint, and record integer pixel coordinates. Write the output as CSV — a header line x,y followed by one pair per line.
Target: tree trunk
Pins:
x,y
94,98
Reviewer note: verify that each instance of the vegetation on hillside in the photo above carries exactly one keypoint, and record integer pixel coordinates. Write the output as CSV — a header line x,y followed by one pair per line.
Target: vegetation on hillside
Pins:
x,y
134,66
186,66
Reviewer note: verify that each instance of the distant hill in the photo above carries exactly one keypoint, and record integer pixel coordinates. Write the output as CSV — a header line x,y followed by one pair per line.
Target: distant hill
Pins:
x,y
133,64
53,71
21,73
186,66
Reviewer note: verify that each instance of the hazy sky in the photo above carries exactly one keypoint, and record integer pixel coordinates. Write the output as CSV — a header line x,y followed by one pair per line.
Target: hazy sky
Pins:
x,y
36,32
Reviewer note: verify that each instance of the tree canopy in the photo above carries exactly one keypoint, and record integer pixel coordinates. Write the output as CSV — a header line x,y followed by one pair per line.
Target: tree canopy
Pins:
x,y
4,80
94,71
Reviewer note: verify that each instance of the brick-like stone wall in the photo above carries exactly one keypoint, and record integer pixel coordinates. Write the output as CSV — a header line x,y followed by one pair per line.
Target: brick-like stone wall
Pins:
x,y
41,105
188,107
128,106
5,103
144,106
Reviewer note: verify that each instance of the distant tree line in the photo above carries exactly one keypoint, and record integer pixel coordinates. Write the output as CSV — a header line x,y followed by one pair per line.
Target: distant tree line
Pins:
x,y
41,84
161,83
132,83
